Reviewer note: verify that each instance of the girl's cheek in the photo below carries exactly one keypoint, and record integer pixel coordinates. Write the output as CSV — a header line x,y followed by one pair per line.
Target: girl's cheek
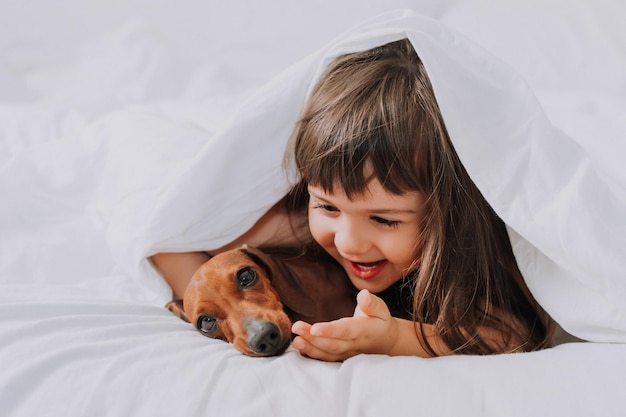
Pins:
x,y
314,228
319,229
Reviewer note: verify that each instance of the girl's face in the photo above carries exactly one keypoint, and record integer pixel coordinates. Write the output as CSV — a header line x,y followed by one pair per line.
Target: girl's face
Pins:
x,y
372,236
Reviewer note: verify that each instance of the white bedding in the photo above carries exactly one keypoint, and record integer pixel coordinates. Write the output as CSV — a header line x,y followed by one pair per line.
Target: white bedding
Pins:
x,y
128,128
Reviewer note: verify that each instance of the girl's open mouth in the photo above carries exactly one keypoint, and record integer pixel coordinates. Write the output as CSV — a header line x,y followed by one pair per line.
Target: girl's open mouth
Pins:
x,y
367,270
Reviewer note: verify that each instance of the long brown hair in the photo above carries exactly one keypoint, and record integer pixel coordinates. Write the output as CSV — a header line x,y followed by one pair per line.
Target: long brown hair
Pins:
x,y
378,108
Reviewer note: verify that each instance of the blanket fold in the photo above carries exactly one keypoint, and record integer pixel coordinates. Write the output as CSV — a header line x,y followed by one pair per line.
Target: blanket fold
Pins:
x,y
566,224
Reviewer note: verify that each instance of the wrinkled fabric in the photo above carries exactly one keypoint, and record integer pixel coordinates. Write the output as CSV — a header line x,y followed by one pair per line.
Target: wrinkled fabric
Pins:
x,y
158,133
565,219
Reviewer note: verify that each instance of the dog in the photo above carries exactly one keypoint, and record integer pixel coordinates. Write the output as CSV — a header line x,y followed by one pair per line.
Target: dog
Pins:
x,y
250,297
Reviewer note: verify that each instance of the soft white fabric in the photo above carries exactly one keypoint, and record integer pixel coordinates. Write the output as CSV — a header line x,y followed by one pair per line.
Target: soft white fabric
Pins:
x,y
128,128
77,355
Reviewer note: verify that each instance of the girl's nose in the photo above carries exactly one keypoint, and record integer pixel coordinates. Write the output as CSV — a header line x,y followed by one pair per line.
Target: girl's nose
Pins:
x,y
350,239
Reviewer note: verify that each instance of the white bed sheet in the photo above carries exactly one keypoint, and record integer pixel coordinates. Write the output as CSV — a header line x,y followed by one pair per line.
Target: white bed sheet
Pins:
x,y
90,94
73,355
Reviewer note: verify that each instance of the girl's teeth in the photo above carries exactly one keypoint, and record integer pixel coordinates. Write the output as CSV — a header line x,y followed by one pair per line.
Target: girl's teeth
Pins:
x,y
368,266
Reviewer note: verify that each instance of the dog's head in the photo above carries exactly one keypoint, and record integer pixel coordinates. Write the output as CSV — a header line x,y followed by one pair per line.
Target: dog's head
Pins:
x,y
231,297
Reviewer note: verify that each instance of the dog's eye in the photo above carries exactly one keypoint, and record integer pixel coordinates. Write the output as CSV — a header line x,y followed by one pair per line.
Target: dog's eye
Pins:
x,y
207,324
246,277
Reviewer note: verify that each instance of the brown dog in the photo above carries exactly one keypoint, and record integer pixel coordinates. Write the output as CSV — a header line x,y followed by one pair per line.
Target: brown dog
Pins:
x,y
250,298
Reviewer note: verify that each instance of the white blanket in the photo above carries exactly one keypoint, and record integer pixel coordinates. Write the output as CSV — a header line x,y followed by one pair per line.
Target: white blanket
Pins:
x,y
131,129
564,208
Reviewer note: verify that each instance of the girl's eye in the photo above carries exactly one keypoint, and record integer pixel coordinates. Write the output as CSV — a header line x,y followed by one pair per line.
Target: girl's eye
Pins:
x,y
326,207
386,222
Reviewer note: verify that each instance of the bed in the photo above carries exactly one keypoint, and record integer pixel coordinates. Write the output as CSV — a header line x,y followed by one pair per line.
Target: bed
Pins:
x,y
130,128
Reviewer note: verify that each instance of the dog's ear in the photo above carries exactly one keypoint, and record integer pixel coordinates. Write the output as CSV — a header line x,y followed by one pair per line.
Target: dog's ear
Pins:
x,y
288,285
176,307
292,293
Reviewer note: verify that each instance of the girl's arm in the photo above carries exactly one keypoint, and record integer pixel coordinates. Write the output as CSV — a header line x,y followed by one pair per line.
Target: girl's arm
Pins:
x,y
372,329
178,268
275,228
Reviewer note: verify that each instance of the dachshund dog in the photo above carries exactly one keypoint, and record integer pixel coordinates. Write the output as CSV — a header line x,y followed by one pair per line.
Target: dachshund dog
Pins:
x,y
249,298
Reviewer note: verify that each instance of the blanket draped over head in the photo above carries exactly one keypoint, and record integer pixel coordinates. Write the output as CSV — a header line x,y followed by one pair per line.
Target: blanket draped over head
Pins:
x,y
564,210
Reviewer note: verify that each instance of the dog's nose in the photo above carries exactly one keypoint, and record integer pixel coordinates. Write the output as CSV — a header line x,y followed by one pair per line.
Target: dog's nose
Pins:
x,y
263,337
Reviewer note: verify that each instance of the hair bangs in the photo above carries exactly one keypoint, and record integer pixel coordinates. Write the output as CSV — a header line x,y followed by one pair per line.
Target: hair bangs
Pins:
x,y
362,134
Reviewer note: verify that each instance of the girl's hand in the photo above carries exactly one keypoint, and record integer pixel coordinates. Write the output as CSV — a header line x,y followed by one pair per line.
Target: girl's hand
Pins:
x,y
372,329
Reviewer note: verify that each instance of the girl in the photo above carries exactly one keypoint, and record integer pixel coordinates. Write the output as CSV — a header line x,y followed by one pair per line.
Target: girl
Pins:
x,y
387,197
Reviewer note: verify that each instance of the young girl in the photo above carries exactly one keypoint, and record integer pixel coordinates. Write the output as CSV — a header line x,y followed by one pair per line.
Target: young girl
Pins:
x,y
387,197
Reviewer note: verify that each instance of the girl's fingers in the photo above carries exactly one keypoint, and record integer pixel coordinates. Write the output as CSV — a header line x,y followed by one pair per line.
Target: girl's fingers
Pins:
x,y
346,337
322,349
300,328
311,345
343,329
318,341
372,306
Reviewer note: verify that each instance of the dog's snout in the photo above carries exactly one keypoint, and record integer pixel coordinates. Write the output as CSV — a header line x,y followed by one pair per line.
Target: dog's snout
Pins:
x,y
264,337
